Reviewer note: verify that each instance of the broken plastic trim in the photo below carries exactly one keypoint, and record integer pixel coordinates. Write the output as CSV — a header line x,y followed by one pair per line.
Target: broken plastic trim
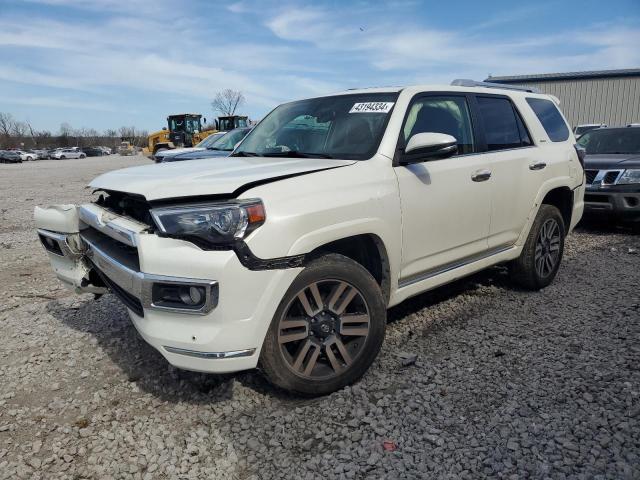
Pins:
x,y
250,261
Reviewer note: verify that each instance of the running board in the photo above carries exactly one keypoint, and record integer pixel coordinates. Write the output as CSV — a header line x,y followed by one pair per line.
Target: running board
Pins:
x,y
434,272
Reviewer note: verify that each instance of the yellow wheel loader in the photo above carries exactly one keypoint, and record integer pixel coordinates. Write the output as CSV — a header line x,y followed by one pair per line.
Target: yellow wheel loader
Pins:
x,y
185,130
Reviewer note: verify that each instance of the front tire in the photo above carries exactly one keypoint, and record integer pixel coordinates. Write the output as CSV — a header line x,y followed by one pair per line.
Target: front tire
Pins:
x,y
327,330
540,259
82,155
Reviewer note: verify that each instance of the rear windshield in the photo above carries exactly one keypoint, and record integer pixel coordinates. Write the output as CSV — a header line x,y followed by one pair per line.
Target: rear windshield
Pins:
x,y
550,118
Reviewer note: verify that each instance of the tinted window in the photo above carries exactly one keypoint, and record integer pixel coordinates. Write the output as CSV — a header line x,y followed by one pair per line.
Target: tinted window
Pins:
x,y
500,122
611,141
448,115
550,118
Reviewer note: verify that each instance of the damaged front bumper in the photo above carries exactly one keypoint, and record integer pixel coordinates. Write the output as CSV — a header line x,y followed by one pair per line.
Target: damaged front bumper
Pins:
x,y
92,251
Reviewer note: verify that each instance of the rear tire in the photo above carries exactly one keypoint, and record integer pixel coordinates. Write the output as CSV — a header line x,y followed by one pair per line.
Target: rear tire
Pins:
x,y
327,330
82,155
538,264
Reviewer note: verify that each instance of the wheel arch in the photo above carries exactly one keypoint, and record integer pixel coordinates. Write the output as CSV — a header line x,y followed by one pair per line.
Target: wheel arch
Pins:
x,y
368,250
562,199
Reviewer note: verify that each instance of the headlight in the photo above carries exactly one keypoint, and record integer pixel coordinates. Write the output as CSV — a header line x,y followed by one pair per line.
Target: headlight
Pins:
x,y
630,176
212,224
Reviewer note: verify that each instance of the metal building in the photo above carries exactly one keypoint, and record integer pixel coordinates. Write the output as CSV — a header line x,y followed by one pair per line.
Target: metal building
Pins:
x,y
604,96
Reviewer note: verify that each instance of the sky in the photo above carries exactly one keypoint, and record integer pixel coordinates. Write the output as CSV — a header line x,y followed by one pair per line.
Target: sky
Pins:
x,y
108,63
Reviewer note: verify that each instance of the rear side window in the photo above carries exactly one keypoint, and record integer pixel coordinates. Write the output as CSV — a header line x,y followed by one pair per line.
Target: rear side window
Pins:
x,y
550,118
503,129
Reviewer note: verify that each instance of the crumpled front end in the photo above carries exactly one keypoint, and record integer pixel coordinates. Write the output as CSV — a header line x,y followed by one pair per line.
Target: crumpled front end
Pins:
x,y
202,310
59,232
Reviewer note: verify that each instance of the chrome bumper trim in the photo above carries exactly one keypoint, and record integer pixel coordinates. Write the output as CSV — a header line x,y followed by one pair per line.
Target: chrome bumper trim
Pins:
x,y
140,284
62,239
210,355
117,232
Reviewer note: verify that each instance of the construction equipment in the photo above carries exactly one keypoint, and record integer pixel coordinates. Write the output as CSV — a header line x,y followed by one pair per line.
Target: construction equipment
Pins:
x,y
185,130
125,148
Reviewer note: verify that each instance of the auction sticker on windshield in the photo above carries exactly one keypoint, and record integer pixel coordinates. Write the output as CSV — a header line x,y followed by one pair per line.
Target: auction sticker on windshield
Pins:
x,y
371,107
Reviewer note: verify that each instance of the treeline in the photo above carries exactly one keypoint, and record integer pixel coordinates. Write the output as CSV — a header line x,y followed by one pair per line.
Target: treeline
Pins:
x,y
21,134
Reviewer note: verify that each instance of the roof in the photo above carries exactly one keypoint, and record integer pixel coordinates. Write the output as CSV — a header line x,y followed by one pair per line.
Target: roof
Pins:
x,y
628,72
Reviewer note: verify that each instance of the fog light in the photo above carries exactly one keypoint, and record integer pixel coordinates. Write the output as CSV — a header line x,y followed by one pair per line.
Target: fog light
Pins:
x,y
192,296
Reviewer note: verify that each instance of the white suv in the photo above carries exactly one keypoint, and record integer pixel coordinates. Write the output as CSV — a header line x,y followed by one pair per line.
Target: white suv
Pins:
x,y
288,253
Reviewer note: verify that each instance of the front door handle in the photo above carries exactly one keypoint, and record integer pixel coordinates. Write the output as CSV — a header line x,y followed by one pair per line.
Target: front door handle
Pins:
x,y
481,175
537,166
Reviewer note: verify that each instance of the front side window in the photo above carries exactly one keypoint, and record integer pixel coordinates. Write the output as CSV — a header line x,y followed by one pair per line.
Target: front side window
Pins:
x,y
344,126
503,128
441,114
550,118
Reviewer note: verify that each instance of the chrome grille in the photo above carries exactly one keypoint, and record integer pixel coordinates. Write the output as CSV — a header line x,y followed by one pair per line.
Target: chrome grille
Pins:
x,y
591,175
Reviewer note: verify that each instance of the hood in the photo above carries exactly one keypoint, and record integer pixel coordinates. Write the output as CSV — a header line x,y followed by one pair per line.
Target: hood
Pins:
x,y
611,161
177,151
205,153
213,177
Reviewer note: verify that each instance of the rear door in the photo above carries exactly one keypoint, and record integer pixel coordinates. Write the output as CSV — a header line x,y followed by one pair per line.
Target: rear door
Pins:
x,y
516,171
445,203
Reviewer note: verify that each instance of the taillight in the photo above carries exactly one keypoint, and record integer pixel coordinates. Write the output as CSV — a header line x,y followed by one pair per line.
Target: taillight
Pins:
x,y
581,154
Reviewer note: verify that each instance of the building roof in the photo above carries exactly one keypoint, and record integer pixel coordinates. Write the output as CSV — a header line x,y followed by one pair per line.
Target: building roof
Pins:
x,y
543,77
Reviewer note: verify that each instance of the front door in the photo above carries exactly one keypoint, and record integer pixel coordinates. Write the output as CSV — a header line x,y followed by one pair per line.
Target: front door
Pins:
x,y
445,203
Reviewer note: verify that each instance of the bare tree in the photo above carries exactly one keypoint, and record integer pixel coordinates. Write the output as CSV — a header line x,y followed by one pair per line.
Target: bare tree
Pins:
x,y
228,101
6,124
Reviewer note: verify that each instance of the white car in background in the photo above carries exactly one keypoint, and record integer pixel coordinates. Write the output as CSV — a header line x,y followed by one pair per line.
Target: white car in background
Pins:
x,y
68,153
27,156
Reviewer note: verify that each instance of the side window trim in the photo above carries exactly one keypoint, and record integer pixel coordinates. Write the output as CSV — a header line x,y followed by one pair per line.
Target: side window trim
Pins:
x,y
400,143
481,127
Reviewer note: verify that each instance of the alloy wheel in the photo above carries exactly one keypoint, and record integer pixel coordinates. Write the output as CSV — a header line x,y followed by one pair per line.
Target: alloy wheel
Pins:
x,y
547,252
323,329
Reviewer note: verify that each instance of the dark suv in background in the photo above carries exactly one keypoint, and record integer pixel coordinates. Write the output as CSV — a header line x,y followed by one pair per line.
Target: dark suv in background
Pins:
x,y
612,167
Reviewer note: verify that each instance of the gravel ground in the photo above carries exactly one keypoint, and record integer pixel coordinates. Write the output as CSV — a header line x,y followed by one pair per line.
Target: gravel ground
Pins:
x,y
507,383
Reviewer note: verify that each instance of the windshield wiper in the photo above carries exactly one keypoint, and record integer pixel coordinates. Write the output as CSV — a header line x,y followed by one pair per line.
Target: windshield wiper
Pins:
x,y
296,154
245,154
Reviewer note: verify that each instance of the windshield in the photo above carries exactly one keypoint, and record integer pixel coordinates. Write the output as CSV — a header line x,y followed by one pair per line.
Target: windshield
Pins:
x,y
345,126
585,128
210,140
611,141
229,140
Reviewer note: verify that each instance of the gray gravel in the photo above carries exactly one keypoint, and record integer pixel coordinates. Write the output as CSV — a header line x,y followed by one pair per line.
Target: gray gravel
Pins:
x,y
506,383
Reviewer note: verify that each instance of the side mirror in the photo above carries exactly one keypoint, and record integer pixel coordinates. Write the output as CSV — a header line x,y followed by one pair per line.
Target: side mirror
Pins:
x,y
429,146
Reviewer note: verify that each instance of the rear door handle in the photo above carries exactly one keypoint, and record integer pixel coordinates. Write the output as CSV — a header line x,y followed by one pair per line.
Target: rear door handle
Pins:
x,y
481,175
537,166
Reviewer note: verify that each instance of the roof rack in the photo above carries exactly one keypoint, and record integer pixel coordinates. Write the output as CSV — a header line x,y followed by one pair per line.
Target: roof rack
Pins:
x,y
463,82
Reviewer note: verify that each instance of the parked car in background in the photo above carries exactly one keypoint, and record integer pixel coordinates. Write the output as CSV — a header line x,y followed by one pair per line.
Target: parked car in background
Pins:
x,y
41,153
221,148
288,253
612,168
106,150
27,156
580,130
163,154
68,153
93,151
10,156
